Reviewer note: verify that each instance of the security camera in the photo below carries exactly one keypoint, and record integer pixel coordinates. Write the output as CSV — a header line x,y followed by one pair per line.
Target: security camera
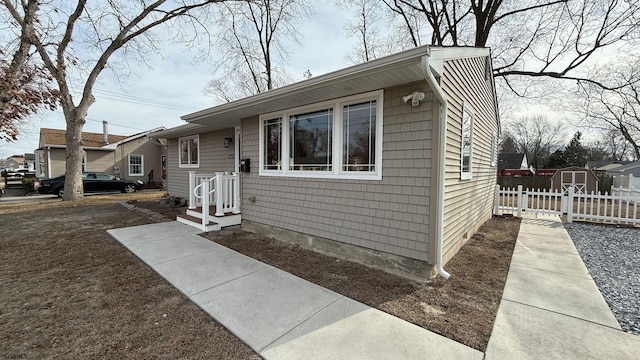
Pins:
x,y
415,98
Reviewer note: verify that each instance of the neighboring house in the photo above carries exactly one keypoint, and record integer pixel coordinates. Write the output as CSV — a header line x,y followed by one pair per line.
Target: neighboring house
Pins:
x,y
513,165
631,168
17,162
395,158
605,165
29,162
135,157
13,163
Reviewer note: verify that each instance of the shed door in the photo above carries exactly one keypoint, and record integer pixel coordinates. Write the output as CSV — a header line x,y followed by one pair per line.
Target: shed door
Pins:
x,y
577,179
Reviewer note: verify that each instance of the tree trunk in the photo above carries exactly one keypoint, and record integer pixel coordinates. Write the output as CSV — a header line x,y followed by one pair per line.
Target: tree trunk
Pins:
x,y
74,154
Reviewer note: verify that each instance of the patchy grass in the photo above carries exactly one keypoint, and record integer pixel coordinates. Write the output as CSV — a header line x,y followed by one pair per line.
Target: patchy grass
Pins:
x,y
72,291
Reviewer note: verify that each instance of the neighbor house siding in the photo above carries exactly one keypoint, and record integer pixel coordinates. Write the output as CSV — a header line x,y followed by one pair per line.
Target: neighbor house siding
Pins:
x,y
57,162
151,153
100,161
468,203
214,157
390,215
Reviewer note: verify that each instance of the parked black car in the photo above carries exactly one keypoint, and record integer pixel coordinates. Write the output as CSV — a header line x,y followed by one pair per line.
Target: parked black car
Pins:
x,y
92,182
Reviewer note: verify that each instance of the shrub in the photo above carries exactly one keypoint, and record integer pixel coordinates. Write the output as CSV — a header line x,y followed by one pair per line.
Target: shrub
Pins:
x,y
28,184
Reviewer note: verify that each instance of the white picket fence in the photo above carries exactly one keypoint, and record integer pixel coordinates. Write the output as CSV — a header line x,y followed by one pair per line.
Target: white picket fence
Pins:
x,y
600,208
628,186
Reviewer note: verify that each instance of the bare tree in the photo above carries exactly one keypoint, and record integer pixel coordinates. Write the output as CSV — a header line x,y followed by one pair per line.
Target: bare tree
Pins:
x,y
536,136
368,27
529,38
252,47
76,42
612,110
25,87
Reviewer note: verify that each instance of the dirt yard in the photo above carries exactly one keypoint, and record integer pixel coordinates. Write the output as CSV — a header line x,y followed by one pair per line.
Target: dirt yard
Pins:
x,y
71,291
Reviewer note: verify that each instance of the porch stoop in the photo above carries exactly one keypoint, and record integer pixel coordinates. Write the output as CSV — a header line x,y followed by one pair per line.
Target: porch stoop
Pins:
x,y
193,217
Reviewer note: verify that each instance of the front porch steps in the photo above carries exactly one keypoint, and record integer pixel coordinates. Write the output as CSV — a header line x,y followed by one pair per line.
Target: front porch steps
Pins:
x,y
193,217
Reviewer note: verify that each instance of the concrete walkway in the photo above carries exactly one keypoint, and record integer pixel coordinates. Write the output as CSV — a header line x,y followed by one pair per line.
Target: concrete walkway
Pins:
x,y
551,308
277,314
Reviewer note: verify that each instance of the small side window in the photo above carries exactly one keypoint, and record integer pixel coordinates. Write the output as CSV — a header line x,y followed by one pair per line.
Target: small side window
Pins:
x,y
466,145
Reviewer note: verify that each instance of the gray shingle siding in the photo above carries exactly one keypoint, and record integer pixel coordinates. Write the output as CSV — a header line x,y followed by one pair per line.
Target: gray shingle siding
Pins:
x,y
389,215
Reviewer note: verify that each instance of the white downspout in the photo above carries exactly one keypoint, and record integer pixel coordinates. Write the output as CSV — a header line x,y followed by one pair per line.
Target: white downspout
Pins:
x,y
439,93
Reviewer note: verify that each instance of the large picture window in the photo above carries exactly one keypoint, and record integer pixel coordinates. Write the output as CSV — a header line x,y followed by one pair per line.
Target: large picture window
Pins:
x,y
310,137
340,138
466,150
189,151
136,165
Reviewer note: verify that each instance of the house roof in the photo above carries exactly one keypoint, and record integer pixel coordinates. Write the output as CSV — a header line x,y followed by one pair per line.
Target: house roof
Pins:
x,y
511,161
55,137
632,168
605,164
401,68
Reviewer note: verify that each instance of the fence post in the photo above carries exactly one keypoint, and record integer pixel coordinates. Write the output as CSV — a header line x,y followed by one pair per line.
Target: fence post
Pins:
x,y
519,211
205,205
236,193
219,194
192,185
570,205
496,200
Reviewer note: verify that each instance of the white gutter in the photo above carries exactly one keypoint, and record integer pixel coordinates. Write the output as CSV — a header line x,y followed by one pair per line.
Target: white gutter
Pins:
x,y
439,93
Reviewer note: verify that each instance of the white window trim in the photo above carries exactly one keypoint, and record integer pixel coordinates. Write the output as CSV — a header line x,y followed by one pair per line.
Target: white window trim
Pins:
x,y
141,165
337,139
187,138
466,175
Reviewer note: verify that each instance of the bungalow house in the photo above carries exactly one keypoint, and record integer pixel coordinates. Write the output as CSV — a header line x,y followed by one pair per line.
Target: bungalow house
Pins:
x,y
393,160
137,157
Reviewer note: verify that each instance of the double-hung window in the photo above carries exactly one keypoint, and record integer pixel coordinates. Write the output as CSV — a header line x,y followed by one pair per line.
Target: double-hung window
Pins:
x,y
189,151
334,139
136,165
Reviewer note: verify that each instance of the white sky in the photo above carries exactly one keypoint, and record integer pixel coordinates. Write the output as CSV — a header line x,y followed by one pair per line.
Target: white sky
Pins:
x,y
174,86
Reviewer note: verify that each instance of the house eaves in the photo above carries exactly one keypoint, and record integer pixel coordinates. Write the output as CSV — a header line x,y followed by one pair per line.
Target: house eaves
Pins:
x,y
134,137
393,70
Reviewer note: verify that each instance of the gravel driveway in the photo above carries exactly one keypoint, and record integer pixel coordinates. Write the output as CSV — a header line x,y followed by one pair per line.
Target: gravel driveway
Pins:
x,y
612,256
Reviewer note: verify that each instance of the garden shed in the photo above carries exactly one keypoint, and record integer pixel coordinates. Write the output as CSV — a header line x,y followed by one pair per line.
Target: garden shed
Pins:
x,y
584,181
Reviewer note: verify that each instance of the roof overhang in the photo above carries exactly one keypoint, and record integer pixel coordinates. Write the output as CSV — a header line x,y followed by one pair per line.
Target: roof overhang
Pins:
x,y
394,70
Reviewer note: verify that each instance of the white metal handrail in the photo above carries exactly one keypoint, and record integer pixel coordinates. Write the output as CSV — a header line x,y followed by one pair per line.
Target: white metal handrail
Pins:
x,y
221,189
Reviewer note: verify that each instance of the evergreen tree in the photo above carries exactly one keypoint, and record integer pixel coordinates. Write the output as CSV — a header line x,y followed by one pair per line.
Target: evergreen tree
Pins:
x,y
576,154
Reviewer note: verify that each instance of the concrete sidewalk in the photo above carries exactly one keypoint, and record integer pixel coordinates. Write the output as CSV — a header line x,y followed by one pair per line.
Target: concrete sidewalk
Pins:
x,y
277,314
551,308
